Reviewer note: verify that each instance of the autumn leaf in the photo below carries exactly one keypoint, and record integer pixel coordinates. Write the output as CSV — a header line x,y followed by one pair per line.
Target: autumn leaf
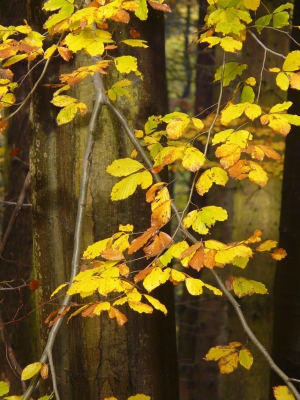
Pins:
x,y
213,175
124,167
205,218
245,358
279,254
4,388
156,278
283,393
30,370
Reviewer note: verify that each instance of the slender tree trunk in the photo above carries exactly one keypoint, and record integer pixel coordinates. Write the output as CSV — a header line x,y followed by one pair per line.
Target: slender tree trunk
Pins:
x,y
96,358
286,348
15,261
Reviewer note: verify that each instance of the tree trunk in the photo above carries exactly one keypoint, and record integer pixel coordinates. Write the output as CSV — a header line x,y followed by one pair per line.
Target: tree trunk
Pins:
x,y
286,348
96,358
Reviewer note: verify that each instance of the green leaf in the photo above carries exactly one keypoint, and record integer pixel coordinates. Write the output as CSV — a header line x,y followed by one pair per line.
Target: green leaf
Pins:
x,y
4,388
231,71
263,21
142,11
53,5
124,167
63,13
245,358
127,186
247,95
126,64
281,19
205,218
285,6
30,370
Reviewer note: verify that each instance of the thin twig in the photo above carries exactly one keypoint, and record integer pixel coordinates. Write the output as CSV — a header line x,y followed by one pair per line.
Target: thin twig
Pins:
x,y
265,47
15,213
13,203
261,75
47,353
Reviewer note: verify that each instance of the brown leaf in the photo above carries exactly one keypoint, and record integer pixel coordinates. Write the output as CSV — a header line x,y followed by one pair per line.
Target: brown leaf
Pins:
x,y
64,312
34,285
123,269
89,312
134,33
229,283
6,74
162,214
160,242
159,6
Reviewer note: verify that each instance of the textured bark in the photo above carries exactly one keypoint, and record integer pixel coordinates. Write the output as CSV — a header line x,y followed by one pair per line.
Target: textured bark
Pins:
x,y
286,350
15,263
96,358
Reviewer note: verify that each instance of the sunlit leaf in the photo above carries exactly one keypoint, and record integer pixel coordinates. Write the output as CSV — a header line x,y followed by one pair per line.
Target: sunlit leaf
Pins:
x,y
135,43
126,64
124,167
267,245
213,175
229,363
156,278
30,370
245,358
156,304
231,70
58,289
192,159
4,388
283,393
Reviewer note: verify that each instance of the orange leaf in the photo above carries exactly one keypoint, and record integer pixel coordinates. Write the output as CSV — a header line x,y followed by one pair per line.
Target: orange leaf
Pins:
x,y
121,16
44,371
160,242
159,6
255,237
6,74
190,250
14,151
112,254
120,317
162,214
209,258
142,274
229,154
123,269
279,254
197,262
89,312
65,53
151,193
137,243
295,81
239,170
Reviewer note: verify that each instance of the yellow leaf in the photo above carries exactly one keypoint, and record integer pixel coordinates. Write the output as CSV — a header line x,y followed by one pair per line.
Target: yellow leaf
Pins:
x,y
48,53
217,352
14,59
275,69
252,4
244,287
282,81
161,214
142,11
58,289
126,228
126,64
67,114
156,304
229,363
4,388
251,81
103,306
231,45
176,128
292,61
139,397
173,251
245,358
194,286
140,307
225,256
176,276
96,249
156,278
90,40
193,159
126,187
124,167
63,13
145,179
215,291
229,154
213,175
198,123
205,218
231,112
257,175
252,111
63,101
267,245
283,393
30,370
135,42
168,155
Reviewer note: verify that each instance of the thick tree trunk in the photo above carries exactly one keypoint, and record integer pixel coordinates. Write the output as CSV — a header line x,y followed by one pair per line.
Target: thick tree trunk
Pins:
x,y
286,348
15,261
96,358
